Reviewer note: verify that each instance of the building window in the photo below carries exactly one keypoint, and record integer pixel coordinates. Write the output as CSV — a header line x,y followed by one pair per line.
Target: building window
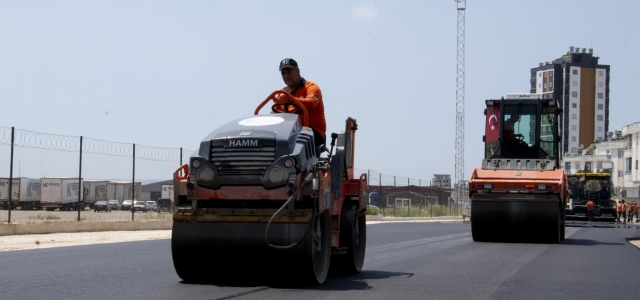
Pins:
x,y
574,94
574,105
575,83
574,127
600,95
574,116
600,106
574,149
575,72
599,128
600,84
573,138
539,74
600,73
599,118
544,85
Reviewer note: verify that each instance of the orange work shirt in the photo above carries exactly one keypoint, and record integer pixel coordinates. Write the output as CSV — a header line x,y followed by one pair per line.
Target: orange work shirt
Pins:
x,y
635,207
308,93
590,205
618,207
624,207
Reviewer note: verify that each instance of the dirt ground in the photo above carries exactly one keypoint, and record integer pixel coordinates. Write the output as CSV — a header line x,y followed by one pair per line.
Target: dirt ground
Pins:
x,y
38,241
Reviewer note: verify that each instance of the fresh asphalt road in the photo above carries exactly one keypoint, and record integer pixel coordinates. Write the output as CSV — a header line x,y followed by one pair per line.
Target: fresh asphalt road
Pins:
x,y
403,261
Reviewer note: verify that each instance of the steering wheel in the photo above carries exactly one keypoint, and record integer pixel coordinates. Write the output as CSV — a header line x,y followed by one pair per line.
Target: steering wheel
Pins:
x,y
286,108
302,110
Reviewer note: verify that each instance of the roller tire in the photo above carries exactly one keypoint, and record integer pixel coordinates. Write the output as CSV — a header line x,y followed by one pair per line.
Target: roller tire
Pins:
x,y
353,235
319,260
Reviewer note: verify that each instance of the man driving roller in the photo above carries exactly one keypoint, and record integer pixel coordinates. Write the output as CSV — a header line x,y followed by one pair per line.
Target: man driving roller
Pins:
x,y
308,93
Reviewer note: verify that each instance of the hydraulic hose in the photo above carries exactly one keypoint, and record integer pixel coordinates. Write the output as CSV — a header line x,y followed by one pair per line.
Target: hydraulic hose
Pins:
x,y
266,232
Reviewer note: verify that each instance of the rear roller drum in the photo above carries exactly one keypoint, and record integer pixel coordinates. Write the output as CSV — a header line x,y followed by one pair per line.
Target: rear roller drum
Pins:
x,y
353,236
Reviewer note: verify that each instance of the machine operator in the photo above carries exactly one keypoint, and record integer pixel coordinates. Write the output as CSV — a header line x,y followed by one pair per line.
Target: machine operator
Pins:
x,y
308,93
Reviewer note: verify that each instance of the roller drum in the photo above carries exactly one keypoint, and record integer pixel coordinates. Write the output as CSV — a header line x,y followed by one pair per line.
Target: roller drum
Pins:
x,y
515,221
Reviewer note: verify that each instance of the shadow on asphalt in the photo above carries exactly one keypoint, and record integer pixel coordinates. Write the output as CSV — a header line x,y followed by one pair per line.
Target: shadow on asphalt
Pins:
x,y
584,242
332,283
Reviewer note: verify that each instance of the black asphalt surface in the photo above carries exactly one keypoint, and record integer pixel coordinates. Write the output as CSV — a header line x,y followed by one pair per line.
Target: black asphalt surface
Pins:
x,y
403,261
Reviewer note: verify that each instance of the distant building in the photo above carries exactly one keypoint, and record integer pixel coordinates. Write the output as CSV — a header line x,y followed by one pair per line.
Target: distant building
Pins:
x,y
441,180
581,85
618,154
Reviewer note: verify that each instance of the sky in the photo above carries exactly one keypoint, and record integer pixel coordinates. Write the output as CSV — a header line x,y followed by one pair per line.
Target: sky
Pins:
x,y
167,73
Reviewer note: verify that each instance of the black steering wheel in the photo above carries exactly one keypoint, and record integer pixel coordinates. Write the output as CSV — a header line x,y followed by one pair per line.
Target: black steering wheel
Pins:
x,y
286,108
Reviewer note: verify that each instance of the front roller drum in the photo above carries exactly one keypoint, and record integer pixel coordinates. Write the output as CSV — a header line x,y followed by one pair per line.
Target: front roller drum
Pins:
x,y
516,221
217,251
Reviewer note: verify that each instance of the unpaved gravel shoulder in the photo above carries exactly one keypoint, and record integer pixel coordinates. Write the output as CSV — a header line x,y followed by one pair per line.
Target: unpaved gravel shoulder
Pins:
x,y
38,241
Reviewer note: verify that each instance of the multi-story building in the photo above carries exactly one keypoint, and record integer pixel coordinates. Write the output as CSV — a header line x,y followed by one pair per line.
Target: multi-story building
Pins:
x,y
618,155
441,181
581,85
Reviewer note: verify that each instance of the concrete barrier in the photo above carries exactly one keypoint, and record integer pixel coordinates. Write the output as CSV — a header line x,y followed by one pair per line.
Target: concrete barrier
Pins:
x,y
63,227
74,226
400,219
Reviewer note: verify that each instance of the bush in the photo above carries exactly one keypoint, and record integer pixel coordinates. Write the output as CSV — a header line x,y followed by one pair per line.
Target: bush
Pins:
x,y
373,211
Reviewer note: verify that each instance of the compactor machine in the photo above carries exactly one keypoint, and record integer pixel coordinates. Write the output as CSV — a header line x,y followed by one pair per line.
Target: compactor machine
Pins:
x,y
258,199
520,192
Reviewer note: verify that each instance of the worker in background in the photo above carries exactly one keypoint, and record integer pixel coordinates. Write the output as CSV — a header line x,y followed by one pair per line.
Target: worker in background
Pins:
x,y
624,209
509,125
618,210
590,207
633,210
308,93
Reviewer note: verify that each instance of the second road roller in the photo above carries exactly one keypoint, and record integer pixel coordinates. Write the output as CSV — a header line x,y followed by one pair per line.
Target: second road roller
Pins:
x,y
520,192
259,198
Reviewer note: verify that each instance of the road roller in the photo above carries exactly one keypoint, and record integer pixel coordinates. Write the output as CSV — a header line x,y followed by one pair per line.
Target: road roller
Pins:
x,y
520,191
259,199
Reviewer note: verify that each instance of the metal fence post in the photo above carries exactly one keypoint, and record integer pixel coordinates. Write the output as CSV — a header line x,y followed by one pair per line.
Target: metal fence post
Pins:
x,y
80,185
380,195
394,200
133,183
11,176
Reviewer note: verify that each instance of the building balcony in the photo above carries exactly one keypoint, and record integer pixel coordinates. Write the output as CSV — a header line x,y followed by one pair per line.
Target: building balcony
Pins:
x,y
631,128
615,145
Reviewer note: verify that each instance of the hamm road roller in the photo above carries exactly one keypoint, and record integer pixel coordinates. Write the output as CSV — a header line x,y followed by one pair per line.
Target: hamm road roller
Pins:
x,y
258,199
519,193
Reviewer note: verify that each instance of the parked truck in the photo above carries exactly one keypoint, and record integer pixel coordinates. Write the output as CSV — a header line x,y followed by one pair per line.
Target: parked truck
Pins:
x,y
62,193
121,190
95,190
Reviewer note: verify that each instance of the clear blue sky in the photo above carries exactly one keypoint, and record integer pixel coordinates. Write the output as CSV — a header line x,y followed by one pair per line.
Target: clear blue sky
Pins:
x,y
166,73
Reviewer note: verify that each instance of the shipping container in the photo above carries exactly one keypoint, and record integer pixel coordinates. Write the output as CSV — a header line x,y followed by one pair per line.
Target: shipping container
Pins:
x,y
30,198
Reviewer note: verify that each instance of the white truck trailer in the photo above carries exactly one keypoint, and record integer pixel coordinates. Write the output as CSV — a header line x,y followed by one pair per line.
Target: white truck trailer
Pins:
x,y
167,191
62,193
121,190
15,192
30,198
95,190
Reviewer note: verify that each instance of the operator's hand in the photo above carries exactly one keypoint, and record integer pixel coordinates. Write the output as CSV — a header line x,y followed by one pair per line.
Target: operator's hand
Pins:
x,y
280,99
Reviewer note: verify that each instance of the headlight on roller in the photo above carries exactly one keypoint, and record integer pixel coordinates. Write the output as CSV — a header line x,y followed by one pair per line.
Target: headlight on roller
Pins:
x,y
195,163
207,175
289,162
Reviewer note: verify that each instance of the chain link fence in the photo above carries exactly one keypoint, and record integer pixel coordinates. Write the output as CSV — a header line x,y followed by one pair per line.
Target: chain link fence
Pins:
x,y
394,196
49,177
74,178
